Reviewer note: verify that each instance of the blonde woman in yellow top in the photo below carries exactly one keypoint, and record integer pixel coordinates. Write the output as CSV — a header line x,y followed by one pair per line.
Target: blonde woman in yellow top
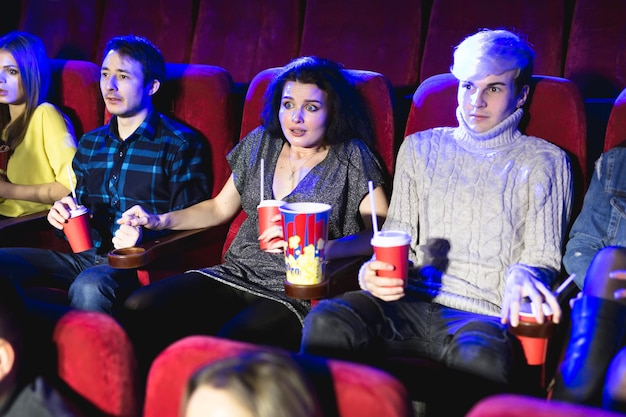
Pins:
x,y
40,138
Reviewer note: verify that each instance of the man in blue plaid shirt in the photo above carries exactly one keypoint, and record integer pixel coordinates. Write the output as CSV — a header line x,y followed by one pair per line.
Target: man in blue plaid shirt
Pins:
x,y
141,157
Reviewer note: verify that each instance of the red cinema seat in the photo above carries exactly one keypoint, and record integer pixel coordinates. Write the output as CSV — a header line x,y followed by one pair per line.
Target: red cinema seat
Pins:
x,y
348,389
452,20
245,37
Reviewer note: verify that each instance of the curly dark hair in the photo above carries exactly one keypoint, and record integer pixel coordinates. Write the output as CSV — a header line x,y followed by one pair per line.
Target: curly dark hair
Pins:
x,y
348,115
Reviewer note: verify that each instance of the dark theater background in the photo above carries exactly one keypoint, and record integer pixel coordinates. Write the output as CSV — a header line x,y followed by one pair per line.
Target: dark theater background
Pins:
x,y
214,50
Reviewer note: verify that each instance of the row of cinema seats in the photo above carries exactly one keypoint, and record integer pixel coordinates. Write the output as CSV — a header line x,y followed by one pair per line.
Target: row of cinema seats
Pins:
x,y
200,95
91,360
405,40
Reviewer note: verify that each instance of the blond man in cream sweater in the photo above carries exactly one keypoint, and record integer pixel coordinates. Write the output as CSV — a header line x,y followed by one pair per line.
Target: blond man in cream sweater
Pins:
x,y
486,207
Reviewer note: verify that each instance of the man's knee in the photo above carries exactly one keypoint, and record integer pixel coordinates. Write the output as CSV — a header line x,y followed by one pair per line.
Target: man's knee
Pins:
x,y
91,291
481,348
333,325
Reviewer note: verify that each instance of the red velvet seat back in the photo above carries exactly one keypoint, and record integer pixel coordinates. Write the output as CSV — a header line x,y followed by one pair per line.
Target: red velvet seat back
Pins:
x,y
510,405
68,28
596,50
358,390
201,96
96,359
616,127
554,112
168,24
385,37
75,89
245,37
452,20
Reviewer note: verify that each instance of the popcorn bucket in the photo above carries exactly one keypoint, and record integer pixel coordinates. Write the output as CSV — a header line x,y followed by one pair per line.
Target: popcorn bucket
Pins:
x,y
305,227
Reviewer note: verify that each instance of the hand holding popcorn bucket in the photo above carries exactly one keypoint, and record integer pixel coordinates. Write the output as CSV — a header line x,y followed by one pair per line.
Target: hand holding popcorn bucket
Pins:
x,y
305,228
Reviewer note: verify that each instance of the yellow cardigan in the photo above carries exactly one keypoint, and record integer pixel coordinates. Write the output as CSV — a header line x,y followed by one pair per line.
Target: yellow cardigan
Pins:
x,y
43,157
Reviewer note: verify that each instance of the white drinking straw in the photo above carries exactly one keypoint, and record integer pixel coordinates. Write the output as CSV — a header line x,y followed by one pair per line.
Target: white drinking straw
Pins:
x,y
69,174
564,284
262,177
370,185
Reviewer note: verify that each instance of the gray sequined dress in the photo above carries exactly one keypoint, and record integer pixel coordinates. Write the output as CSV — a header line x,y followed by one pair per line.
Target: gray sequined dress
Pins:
x,y
340,180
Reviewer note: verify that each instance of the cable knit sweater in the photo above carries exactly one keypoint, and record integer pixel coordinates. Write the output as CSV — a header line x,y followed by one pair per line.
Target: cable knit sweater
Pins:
x,y
477,205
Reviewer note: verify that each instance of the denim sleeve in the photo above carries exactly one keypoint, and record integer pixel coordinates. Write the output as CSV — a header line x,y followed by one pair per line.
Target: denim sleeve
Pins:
x,y
589,232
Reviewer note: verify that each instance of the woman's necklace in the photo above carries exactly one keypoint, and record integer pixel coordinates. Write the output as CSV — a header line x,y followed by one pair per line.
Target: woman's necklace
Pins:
x,y
293,171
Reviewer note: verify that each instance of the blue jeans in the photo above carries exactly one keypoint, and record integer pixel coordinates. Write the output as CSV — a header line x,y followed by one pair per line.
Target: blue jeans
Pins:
x,y
92,283
359,326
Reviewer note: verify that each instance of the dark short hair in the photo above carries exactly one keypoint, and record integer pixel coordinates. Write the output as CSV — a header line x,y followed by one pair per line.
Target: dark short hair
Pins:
x,y
141,50
348,115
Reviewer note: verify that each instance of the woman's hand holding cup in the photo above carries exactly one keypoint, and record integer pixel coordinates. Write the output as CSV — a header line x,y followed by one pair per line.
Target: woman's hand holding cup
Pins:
x,y
273,237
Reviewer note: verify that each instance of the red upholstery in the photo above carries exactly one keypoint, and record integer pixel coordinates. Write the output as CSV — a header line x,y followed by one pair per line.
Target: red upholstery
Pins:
x,y
359,390
507,405
244,37
201,97
616,127
452,20
75,89
596,50
96,360
374,35
167,24
68,28
555,112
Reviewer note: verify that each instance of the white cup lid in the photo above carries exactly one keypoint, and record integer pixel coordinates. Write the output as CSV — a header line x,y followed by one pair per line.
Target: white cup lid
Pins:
x,y
389,238
272,203
80,210
528,309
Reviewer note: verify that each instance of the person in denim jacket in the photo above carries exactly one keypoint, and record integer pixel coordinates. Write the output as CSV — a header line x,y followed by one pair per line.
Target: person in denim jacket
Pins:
x,y
593,371
602,221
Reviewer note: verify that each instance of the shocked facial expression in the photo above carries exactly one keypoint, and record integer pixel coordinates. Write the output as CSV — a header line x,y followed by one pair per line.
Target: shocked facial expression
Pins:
x,y
487,102
11,89
122,86
303,114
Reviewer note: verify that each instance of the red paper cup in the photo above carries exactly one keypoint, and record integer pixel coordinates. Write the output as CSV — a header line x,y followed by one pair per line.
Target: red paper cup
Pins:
x,y
77,230
268,209
4,158
534,336
305,228
392,246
